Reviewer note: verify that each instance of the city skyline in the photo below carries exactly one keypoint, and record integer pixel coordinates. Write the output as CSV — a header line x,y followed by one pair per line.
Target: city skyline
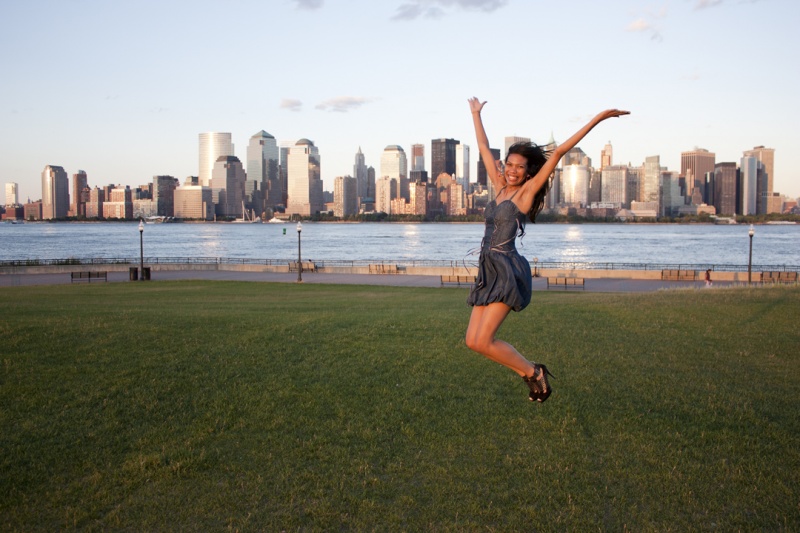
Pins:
x,y
685,70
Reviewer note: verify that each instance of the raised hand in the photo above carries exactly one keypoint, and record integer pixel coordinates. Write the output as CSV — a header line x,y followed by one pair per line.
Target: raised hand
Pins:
x,y
611,113
475,105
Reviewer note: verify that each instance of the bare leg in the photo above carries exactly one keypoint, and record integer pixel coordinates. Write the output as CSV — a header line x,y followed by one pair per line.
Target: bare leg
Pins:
x,y
483,325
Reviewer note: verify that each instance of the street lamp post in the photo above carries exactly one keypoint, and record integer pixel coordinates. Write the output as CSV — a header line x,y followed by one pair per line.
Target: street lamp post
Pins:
x,y
751,232
299,260
141,249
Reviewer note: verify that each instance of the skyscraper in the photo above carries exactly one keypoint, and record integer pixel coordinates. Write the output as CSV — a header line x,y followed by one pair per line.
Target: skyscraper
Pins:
x,y
606,156
12,194
652,174
575,184
765,180
263,166
615,184
462,165
55,192
417,157
747,187
164,195
77,207
725,188
345,200
694,165
443,157
360,175
482,176
227,186
213,145
395,166
305,181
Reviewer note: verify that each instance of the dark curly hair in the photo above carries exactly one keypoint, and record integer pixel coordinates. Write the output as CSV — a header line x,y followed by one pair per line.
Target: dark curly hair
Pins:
x,y
536,157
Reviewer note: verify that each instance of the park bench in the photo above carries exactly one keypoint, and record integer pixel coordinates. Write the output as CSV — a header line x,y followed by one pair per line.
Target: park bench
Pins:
x,y
88,276
679,275
566,283
458,280
308,266
382,269
779,277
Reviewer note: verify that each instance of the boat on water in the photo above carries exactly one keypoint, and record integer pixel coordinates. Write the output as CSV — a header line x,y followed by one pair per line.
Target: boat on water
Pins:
x,y
248,218
276,220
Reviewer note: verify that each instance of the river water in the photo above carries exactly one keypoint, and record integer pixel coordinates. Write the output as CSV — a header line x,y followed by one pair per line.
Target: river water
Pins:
x,y
580,243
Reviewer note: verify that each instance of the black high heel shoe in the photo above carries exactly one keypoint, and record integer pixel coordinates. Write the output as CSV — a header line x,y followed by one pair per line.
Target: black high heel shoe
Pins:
x,y
538,384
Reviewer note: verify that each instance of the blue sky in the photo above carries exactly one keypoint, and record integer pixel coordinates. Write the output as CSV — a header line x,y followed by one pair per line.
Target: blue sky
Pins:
x,y
122,89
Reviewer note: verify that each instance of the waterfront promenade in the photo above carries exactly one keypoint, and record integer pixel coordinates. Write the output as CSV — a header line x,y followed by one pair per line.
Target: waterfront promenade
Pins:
x,y
400,280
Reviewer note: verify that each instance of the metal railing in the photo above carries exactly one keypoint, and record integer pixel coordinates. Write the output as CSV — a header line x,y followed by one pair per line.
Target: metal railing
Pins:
x,y
364,263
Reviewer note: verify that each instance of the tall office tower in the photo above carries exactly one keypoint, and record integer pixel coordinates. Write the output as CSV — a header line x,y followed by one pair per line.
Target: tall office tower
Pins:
x,y
748,185
263,166
632,192
462,165
455,200
417,157
725,175
615,185
671,199
513,139
283,150
77,206
650,183
482,176
345,198
55,192
94,206
606,156
575,184
595,185
227,186
443,157
360,175
418,201
553,197
213,145
371,182
305,181
164,195
766,177
383,195
193,201
576,156
694,165
395,166
12,193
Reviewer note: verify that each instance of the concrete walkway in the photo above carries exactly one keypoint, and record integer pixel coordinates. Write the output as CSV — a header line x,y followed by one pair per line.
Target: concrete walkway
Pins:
x,y
399,280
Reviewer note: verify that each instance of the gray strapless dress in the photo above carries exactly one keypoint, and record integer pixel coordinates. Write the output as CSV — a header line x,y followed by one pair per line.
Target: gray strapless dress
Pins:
x,y
503,274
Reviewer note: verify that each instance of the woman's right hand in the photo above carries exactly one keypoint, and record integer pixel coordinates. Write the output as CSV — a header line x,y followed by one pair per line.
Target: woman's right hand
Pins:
x,y
475,105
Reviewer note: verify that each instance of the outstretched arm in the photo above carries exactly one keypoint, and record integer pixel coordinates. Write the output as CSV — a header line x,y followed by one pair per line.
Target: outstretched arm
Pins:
x,y
498,180
533,185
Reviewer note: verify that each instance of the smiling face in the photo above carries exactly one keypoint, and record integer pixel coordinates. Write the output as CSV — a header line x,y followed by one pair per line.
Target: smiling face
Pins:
x,y
516,169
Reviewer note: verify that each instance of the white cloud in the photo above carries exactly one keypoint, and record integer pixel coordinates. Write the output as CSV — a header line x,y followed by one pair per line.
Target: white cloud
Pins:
x,y
291,104
434,9
308,4
643,26
343,104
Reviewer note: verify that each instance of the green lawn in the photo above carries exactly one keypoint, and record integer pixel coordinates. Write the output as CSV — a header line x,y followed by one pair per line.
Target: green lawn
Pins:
x,y
255,406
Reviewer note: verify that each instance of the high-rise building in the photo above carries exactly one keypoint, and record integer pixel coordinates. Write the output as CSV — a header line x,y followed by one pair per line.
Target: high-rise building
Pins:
x,y
193,201
725,175
395,166
55,193
360,175
345,199
305,181
443,157
694,166
418,201
12,194
263,166
765,179
576,156
575,184
652,175
384,193
213,145
418,157
462,165
77,206
164,195
227,186
606,156
118,204
615,183
747,187
671,199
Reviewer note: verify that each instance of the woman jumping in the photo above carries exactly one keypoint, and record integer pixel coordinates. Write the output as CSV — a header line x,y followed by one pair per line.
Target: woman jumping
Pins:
x,y
504,277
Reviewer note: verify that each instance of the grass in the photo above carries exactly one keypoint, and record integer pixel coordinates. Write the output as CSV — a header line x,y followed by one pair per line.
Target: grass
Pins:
x,y
275,407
